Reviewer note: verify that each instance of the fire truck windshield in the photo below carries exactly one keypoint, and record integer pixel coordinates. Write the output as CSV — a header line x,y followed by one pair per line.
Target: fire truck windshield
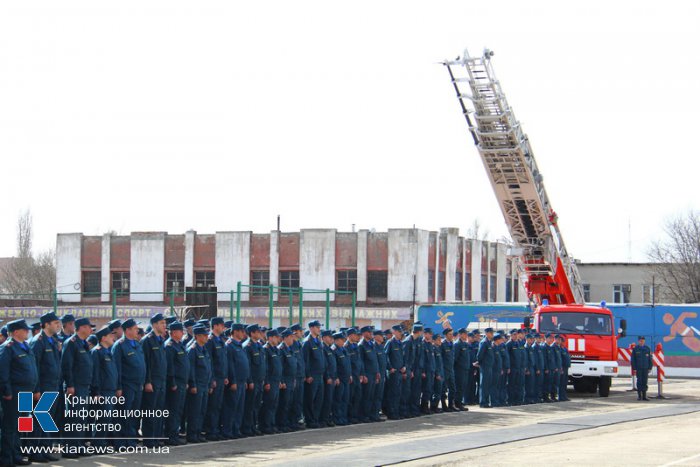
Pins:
x,y
573,322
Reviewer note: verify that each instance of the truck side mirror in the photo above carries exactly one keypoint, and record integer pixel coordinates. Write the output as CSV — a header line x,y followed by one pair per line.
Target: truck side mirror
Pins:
x,y
622,332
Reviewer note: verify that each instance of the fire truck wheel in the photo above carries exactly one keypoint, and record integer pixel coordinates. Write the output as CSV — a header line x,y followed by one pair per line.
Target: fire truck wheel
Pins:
x,y
604,386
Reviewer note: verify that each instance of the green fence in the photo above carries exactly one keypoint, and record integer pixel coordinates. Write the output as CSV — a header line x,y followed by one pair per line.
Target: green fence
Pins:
x,y
235,299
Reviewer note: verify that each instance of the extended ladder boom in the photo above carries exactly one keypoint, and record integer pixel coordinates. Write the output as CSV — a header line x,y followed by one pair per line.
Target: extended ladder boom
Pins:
x,y
505,151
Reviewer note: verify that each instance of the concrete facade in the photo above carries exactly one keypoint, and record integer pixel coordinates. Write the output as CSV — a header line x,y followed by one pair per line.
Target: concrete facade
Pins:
x,y
189,258
232,262
317,261
68,265
601,279
147,272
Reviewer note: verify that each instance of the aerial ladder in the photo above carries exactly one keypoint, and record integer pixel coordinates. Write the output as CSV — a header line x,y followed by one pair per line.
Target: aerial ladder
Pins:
x,y
550,273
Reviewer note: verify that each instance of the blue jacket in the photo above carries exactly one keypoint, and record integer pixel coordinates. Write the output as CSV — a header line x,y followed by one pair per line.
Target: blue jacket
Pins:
x,y
439,365
154,356
381,360
178,370
256,360
289,364
131,364
301,368
447,351
331,365
355,360
219,361
76,362
314,360
538,352
640,359
104,371
368,355
343,364
200,366
274,364
18,370
394,354
48,361
462,356
238,363
486,356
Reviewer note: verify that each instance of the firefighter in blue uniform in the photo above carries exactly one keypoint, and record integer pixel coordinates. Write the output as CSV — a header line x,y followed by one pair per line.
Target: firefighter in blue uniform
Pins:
x,y
486,360
641,363
473,381
104,378
439,378
178,368
407,383
76,366
497,377
382,363
449,387
131,369
297,411
529,369
428,373
330,379
315,365
355,399
273,381
417,366
199,381
556,379
540,367
565,365
463,365
341,398
258,371
189,336
47,352
219,366
153,345
549,368
18,373
370,374
515,354
397,372
238,376
289,374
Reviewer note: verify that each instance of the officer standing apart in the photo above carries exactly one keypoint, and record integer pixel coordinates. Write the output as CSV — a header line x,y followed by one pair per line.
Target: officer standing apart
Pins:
x,y
47,352
485,361
131,368
18,373
642,364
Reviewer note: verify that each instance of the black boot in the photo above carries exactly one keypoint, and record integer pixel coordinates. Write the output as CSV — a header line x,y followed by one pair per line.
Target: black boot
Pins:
x,y
639,395
644,396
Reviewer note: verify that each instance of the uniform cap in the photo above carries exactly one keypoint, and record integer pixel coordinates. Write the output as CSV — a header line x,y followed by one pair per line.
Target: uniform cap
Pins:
x,y
170,319
252,328
228,324
176,326
351,331
338,335
397,327
48,317
92,339
16,325
188,323
238,327
641,337
296,327
272,333
446,331
217,320
365,329
129,323
82,322
103,332
36,326
378,332
199,330
155,318
427,331
315,324
326,333
114,324
287,333
417,327
462,331
487,330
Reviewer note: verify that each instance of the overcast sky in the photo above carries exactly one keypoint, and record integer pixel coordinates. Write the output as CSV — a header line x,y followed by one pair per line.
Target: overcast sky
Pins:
x,y
171,115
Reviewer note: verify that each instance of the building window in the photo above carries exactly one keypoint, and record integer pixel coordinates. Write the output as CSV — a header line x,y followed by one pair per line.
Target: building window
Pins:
x,y
120,282
289,279
516,290
347,281
175,282
621,293
441,286
493,289
509,289
458,286
586,293
204,279
92,283
484,287
260,279
431,285
377,284
649,293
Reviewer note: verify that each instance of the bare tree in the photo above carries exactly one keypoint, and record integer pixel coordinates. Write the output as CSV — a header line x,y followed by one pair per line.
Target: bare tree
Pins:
x,y
475,233
26,273
677,258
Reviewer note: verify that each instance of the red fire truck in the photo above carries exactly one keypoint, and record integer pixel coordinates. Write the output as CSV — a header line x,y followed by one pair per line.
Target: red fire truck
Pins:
x,y
549,273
